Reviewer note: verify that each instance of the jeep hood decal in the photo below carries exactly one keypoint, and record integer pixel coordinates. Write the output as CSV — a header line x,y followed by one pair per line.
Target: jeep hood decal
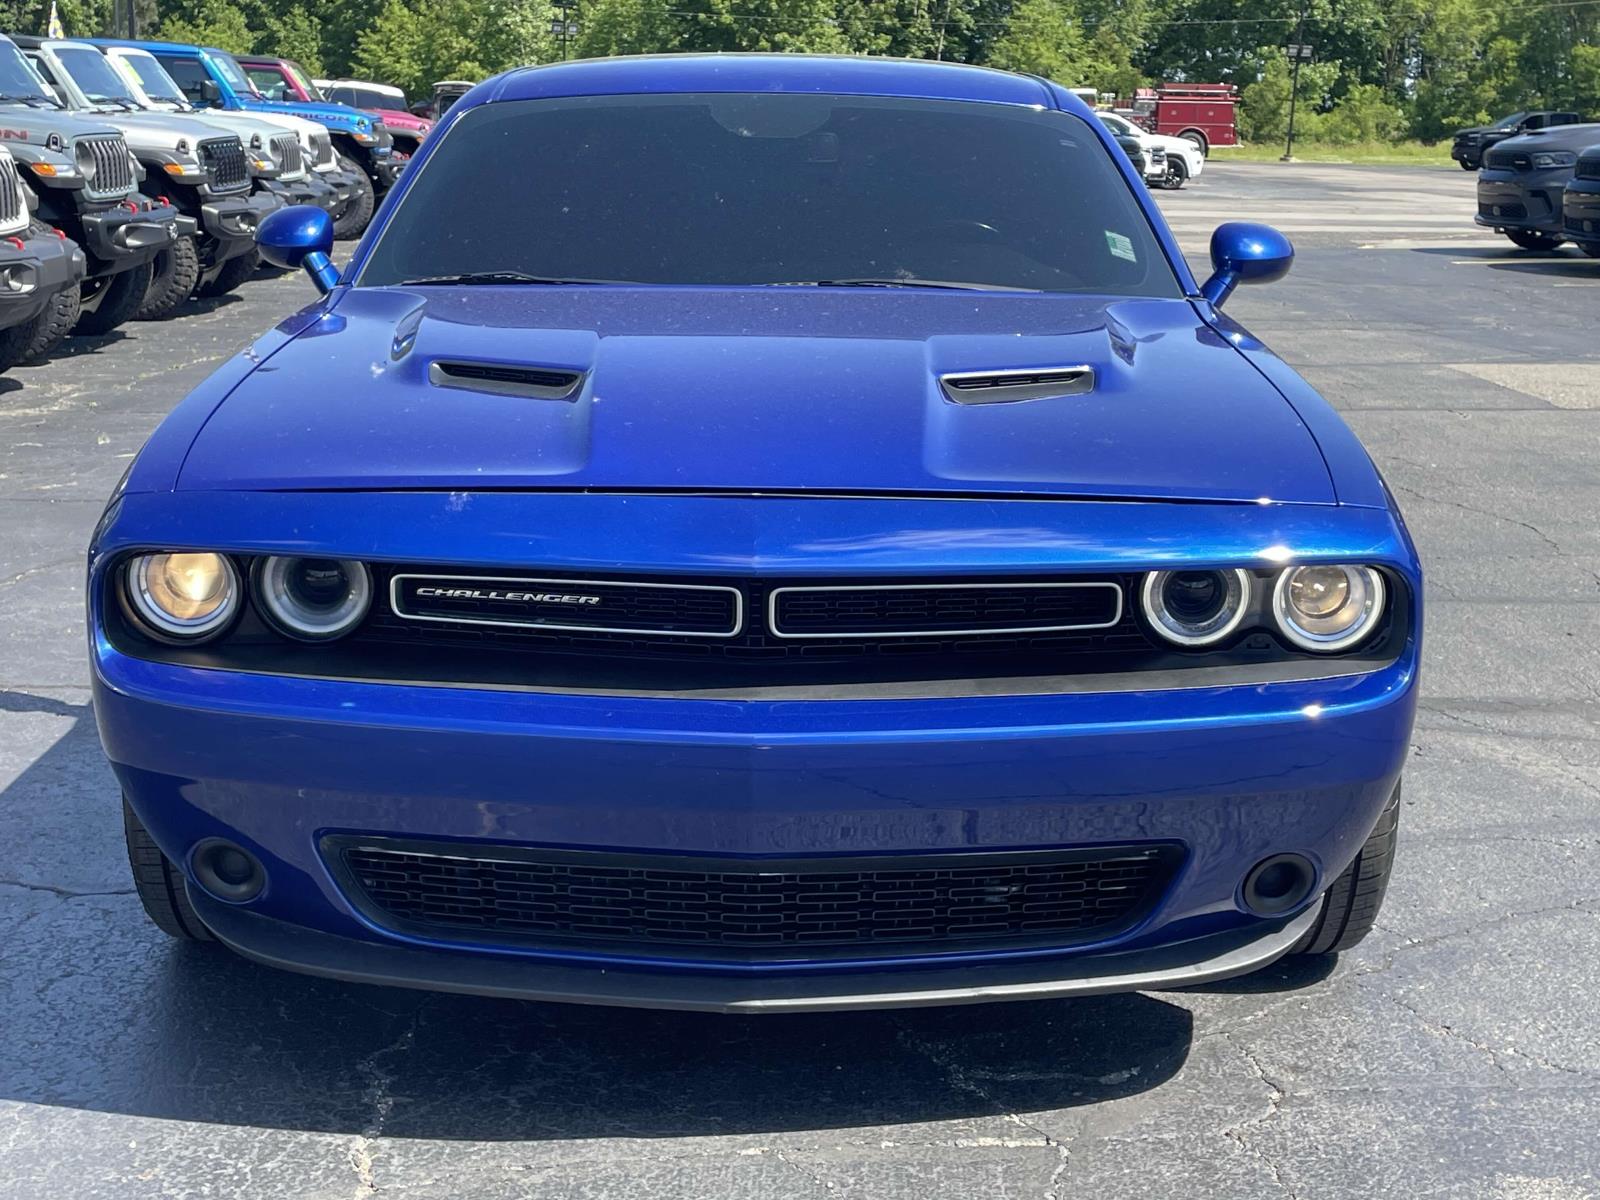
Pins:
x,y
758,390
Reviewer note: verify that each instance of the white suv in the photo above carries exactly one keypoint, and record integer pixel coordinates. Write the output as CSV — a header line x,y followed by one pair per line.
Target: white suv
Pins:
x,y
1184,159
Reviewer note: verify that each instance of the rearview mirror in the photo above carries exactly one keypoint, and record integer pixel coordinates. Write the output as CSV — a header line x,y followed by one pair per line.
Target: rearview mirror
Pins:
x,y
1242,252
300,236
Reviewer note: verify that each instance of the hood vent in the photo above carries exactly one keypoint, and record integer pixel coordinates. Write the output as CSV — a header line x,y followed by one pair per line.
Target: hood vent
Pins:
x,y
540,383
1006,387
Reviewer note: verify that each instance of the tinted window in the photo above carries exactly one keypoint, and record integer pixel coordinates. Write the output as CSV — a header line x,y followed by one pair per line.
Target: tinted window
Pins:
x,y
187,73
268,82
366,98
766,189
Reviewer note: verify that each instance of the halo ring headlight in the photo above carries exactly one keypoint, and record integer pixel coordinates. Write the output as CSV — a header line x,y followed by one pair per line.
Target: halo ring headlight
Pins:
x,y
1328,608
183,596
313,599
1196,608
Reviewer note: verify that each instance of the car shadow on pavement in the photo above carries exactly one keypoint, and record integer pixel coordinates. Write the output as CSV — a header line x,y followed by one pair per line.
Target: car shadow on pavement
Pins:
x,y
1563,262
104,1014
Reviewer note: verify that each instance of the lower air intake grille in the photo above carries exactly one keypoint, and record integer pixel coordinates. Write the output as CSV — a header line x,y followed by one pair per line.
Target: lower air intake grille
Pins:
x,y
1503,210
737,908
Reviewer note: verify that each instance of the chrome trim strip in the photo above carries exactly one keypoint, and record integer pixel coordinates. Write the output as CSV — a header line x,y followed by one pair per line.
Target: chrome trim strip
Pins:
x,y
772,609
738,604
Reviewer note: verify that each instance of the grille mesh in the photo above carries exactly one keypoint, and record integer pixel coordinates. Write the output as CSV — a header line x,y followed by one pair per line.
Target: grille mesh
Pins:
x,y
224,161
737,908
865,612
113,169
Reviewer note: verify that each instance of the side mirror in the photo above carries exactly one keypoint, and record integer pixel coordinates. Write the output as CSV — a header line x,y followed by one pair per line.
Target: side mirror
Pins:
x,y
300,236
1242,252
210,92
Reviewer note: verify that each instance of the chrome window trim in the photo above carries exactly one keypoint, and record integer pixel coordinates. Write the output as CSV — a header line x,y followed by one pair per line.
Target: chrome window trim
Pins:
x,y
738,604
772,608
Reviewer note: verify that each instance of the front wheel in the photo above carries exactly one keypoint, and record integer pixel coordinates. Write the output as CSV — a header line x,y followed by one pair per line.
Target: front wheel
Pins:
x,y
159,884
173,275
1468,166
352,222
1533,241
231,274
1177,174
114,301
1350,907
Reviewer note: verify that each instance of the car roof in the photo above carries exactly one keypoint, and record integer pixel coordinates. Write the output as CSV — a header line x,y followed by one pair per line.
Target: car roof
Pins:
x,y
849,75
386,89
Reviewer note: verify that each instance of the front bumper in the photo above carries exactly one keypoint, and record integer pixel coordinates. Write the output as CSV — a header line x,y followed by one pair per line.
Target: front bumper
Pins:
x,y
307,190
1523,200
1232,774
44,266
229,224
128,235
1580,207
345,185
386,170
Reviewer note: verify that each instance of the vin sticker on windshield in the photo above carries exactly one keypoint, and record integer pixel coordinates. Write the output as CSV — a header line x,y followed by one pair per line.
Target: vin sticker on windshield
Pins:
x,y
1121,246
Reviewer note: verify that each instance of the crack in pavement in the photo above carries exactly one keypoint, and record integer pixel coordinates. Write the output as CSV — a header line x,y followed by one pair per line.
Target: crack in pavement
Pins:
x,y
63,893
380,1100
1276,1094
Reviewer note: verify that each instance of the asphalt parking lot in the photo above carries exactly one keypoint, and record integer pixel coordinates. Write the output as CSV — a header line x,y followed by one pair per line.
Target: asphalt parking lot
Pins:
x,y
1455,1053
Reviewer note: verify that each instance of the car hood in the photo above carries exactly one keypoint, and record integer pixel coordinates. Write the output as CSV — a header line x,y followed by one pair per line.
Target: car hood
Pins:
x,y
341,115
1557,137
400,120
759,390
147,128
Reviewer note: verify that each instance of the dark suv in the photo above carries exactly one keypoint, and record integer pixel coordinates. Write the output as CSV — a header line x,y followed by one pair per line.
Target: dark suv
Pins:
x,y
1471,145
1581,203
1520,187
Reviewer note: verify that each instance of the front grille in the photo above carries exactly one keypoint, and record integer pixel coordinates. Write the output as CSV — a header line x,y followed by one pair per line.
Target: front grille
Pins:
x,y
286,153
1507,208
113,169
727,908
638,626
225,164
322,148
1588,168
12,209
1508,160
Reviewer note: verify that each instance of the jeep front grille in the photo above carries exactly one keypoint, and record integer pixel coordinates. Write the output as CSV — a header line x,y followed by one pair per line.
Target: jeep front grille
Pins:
x,y
224,161
286,152
113,169
12,210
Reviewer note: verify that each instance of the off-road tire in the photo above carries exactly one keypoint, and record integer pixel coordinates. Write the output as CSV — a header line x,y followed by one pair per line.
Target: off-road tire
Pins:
x,y
14,344
1350,908
173,276
124,293
160,884
44,331
352,223
1533,241
234,272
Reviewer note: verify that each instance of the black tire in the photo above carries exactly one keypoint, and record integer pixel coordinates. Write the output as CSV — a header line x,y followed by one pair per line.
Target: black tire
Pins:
x,y
160,884
120,298
1350,907
46,331
173,276
1177,174
1199,139
234,272
1533,241
353,221
14,344
1467,166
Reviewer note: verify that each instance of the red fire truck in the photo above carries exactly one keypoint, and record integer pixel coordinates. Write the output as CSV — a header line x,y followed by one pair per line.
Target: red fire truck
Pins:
x,y
1201,112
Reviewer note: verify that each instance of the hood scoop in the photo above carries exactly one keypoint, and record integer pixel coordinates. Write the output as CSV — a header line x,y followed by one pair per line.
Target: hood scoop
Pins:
x,y
538,383
1007,387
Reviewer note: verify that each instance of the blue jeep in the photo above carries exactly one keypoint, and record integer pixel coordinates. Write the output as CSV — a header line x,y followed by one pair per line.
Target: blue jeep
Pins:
x,y
819,548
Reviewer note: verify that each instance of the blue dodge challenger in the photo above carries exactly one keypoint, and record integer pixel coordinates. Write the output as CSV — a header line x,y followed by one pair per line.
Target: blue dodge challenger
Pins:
x,y
760,534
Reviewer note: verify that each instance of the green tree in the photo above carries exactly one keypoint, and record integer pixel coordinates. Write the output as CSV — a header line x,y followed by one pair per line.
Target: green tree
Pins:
x,y
1043,37
295,34
210,23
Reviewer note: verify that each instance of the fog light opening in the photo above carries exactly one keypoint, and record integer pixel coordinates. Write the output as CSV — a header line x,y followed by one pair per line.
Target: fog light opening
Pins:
x,y
1277,884
227,871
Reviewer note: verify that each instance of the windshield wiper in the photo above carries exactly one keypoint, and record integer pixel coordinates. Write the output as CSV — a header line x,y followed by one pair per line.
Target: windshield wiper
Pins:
x,y
947,284
32,100
492,277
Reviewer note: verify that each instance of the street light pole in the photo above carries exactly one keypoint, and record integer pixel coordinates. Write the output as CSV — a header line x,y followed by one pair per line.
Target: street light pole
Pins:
x,y
1298,50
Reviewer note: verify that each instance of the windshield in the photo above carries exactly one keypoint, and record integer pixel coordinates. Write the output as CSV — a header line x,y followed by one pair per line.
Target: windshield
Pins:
x,y
157,84
366,98
1508,122
231,72
95,77
297,73
740,189
17,80
1115,124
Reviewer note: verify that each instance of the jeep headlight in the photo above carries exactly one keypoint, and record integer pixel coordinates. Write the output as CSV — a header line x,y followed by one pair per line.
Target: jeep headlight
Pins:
x,y
183,597
83,159
1553,158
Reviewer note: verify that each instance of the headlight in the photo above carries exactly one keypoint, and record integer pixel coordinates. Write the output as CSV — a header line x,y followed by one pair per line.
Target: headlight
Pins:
x,y
1327,608
83,156
313,599
183,597
1195,608
1554,158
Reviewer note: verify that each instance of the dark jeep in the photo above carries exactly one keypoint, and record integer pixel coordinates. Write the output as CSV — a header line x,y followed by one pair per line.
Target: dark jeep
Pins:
x,y
1470,145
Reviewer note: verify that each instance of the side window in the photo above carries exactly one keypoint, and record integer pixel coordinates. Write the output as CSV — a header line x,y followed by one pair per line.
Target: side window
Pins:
x,y
340,95
188,74
42,70
1537,121
268,82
